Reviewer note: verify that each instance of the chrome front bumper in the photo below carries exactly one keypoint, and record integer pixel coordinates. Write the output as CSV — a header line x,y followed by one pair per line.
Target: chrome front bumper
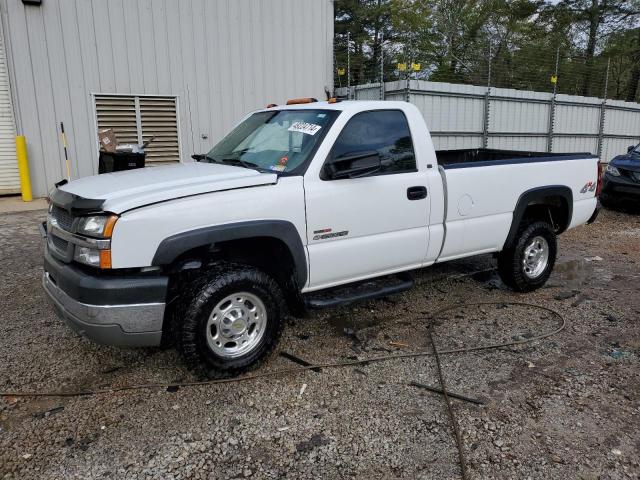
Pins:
x,y
129,325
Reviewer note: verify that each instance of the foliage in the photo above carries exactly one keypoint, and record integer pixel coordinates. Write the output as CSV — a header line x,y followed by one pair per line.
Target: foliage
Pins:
x,y
521,40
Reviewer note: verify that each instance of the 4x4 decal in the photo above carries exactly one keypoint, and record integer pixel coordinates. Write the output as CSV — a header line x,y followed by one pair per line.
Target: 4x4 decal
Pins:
x,y
589,187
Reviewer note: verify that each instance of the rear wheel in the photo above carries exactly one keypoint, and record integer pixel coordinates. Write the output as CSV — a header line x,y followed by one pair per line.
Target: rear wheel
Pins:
x,y
232,319
527,264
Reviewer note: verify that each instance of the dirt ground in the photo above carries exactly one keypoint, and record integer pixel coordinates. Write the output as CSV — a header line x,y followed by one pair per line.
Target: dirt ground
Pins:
x,y
566,407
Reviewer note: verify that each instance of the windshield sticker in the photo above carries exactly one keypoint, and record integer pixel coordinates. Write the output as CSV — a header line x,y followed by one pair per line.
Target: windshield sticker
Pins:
x,y
277,168
304,127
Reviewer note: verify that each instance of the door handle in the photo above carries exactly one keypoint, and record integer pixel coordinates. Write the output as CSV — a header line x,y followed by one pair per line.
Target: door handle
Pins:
x,y
416,193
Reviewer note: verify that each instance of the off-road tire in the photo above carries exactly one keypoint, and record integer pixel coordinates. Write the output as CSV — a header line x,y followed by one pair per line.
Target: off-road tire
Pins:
x,y
198,299
510,260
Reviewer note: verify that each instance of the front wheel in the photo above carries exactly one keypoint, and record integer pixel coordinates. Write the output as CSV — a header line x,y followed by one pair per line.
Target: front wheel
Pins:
x,y
232,319
527,264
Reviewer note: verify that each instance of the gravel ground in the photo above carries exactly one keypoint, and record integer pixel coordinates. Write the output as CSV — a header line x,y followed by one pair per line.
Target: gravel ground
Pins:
x,y
565,407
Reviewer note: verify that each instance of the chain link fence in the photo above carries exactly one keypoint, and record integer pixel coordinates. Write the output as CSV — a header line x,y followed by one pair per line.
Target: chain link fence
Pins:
x,y
555,70
555,104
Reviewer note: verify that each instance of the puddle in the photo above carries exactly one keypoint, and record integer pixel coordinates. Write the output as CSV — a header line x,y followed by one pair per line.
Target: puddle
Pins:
x,y
571,273
38,408
490,278
617,352
351,323
483,276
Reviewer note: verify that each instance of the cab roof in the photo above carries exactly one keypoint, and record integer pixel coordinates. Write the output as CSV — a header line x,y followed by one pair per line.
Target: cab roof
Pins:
x,y
344,106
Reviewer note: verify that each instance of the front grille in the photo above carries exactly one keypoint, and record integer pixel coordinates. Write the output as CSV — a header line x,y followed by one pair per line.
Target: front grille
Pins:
x,y
633,176
63,218
59,243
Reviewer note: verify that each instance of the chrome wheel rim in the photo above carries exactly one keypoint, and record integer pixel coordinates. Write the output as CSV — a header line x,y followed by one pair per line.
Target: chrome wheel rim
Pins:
x,y
236,325
536,257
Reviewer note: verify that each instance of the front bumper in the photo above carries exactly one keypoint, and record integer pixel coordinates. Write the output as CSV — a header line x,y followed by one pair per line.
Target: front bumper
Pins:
x,y
126,311
620,187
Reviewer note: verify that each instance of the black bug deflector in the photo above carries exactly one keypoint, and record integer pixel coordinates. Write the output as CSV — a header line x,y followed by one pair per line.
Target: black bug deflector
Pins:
x,y
75,204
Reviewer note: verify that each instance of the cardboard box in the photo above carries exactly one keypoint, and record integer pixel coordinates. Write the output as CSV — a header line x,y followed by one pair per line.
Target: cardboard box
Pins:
x,y
108,140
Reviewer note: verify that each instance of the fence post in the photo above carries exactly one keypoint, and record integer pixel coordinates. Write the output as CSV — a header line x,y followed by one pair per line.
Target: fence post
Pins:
x,y
382,66
603,110
552,107
348,65
487,107
407,90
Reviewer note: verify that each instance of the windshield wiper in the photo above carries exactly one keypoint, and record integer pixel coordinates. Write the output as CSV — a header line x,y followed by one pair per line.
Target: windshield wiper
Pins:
x,y
235,161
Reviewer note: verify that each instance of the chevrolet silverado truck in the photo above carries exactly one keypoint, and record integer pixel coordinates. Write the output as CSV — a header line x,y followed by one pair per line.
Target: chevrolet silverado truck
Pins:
x,y
305,205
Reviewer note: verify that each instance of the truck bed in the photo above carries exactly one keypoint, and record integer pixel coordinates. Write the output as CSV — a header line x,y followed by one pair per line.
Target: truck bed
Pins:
x,y
480,202
476,157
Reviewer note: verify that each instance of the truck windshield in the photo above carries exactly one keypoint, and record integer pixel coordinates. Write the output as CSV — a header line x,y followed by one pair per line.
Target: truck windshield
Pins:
x,y
279,141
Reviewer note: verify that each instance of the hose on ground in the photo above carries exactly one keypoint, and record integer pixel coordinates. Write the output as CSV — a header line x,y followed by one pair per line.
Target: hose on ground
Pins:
x,y
342,364
454,424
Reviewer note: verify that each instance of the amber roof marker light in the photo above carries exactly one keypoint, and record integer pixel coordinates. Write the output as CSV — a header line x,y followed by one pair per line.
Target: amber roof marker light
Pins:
x,y
299,101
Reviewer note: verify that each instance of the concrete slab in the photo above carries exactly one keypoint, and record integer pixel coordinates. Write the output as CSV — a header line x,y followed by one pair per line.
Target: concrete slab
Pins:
x,y
14,204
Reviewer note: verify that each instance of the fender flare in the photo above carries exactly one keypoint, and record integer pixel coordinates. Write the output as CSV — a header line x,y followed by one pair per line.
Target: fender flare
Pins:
x,y
532,195
172,247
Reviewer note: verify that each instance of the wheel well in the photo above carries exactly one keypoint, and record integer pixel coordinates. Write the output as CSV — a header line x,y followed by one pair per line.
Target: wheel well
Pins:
x,y
269,254
553,209
553,204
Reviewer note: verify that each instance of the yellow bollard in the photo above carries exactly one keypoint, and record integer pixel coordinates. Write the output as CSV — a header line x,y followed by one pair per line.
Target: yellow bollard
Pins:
x,y
23,168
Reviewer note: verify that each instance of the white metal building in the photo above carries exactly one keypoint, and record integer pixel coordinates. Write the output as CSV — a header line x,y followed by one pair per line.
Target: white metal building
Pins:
x,y
182,70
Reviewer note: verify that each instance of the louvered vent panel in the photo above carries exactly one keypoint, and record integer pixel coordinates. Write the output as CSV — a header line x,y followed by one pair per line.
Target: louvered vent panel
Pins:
x,y
119,114
156,116
159,119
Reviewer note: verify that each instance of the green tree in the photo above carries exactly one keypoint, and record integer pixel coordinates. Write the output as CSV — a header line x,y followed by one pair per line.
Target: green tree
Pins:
x,y
456,40
594,21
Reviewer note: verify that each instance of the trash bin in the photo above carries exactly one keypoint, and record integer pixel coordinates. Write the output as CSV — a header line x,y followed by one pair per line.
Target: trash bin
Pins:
x,y
116,161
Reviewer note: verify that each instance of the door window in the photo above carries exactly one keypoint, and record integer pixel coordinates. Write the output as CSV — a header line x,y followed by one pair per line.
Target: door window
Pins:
x,y
383,131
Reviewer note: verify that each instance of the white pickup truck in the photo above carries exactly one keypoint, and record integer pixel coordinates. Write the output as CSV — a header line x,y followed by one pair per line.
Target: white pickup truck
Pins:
x,y
304,205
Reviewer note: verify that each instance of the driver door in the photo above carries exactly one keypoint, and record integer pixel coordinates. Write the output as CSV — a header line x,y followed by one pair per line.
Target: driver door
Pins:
x,y
370,225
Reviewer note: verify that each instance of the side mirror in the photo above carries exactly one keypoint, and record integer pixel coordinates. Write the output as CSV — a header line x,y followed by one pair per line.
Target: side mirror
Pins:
x,y
354,165
630,148
198,157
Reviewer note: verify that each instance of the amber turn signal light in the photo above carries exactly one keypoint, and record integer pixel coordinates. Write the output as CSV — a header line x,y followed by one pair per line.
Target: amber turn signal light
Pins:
x,y
108,226
298,101
105,259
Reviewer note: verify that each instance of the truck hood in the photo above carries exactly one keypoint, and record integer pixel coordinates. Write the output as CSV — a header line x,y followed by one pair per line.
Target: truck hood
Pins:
x,y
628,162
121,191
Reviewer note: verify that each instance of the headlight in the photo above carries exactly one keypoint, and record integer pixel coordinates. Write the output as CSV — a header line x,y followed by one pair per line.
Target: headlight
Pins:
x,y
93,256
88,256
97,226
611,170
